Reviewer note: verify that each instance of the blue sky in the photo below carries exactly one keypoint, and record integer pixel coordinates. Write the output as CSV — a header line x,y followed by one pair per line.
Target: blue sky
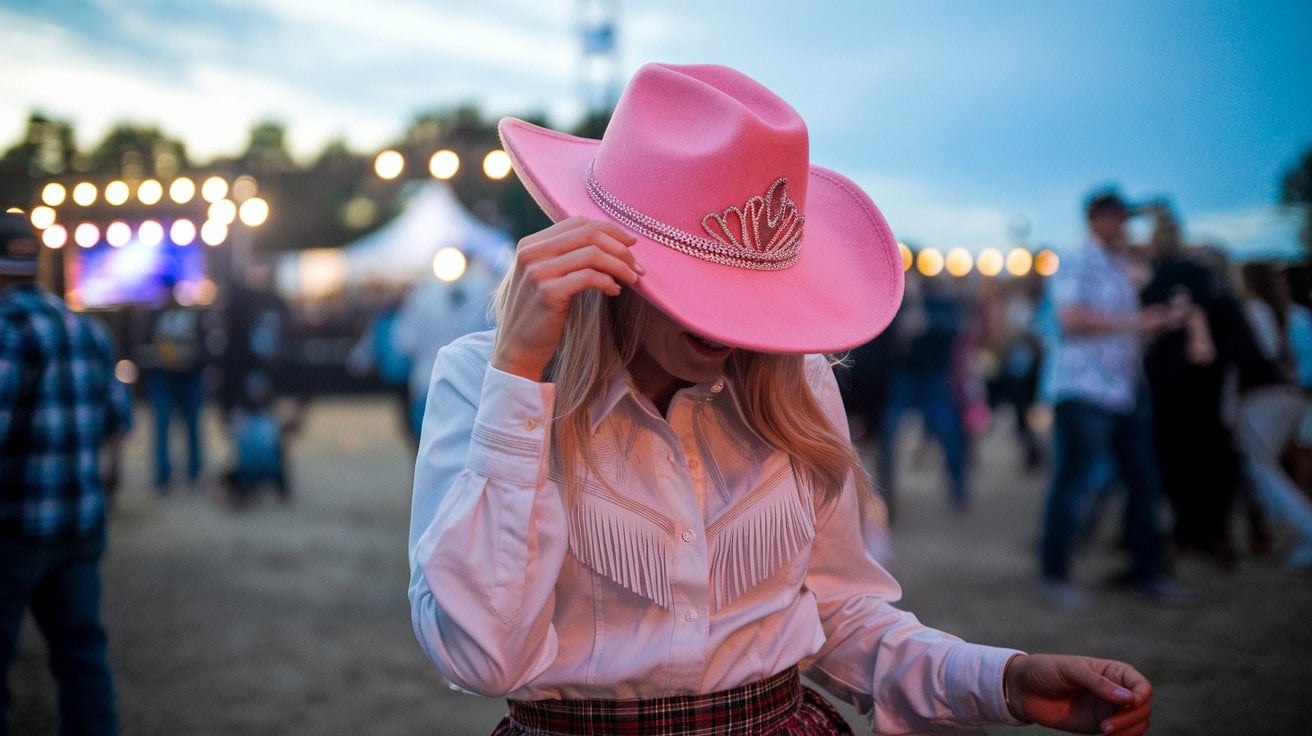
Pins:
x,y
959,118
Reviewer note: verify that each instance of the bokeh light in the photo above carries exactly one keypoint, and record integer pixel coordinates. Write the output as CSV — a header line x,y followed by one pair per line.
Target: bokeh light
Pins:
x,y
214,232
449,264
84,193
1019,262
244,187
444,164
908,258
224,211
150,233
118,234
42,217
254,212
989,262
929,262
182,232
958,262
389,164
54,237
214,189
1046,262
117,192
86,234
126,371
496,164
150,192
54,194
182,190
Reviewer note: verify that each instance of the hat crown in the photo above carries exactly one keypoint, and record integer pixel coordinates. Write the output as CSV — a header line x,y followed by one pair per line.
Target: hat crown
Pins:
x,y
687,141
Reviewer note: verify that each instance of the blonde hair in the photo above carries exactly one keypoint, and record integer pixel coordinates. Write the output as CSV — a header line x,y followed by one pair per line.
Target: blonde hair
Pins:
x,y
772,389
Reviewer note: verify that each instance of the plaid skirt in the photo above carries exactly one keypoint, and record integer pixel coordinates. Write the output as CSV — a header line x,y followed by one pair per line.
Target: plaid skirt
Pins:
x,y
776,706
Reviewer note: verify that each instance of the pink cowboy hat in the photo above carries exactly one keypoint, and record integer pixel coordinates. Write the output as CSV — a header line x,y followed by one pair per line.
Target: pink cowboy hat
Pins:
x,y
744,241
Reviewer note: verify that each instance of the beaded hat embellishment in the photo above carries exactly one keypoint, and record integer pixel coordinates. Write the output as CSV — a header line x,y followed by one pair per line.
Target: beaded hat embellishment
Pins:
x,y
764,235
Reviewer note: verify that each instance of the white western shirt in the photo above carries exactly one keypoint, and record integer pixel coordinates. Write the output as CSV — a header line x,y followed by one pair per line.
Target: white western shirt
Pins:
x,y
695,563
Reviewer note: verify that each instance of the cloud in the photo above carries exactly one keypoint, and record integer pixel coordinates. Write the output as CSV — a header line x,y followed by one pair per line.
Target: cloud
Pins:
x,y
1255,232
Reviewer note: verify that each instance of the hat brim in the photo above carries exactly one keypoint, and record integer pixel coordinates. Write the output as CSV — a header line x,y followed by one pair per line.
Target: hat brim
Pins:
x,y
843,290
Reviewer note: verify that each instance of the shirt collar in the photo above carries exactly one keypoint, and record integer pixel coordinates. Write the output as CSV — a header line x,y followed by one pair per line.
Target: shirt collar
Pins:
x,y
622,388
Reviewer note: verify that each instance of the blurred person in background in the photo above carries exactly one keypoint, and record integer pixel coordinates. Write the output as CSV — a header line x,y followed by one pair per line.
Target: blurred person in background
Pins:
x,y
433,314
1011,353
924,345
376,353
59,404
172,362
1102,414
1271,407
1187,369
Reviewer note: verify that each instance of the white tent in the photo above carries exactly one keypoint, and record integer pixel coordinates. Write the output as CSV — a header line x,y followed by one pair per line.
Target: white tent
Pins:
x,y
401,251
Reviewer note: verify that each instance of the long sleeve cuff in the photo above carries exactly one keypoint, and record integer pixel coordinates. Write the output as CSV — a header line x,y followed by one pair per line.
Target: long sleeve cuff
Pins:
x,y
511,430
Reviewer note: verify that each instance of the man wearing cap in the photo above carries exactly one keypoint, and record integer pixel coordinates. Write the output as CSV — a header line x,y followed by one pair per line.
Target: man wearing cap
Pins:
x,y
1102,418
59,402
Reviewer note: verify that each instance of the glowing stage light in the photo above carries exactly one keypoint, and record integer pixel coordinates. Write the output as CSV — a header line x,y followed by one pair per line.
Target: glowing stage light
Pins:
x,y
117,192
54,237
254,212
182,232
150,233
53,194
84,193
118,234
224,211
214,189
86,235
908,258
214,232
42,217
150,192
182,190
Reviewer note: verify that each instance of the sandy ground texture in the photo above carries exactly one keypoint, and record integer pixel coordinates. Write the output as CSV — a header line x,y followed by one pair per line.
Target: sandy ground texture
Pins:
x,y
292,619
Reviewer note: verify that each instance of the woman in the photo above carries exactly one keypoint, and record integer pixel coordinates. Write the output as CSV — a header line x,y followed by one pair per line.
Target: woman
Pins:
x,y
636,507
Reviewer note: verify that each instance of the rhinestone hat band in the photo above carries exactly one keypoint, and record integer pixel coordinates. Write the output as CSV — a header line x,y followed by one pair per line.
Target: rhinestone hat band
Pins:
x,y
765,235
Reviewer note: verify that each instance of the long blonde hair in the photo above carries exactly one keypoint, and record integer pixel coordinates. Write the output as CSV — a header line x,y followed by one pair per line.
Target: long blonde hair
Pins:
x,y
602,336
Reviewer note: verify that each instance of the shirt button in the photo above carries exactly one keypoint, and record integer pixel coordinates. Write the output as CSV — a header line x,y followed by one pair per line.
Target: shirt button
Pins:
x,y
669,458
689,535
691,615
529,424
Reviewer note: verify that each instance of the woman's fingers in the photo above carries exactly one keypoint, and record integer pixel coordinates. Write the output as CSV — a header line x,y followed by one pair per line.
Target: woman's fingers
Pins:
x,y
551,268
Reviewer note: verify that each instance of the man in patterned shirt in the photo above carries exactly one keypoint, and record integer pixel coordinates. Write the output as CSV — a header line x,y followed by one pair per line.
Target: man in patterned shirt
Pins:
x,y
1102,415
59,402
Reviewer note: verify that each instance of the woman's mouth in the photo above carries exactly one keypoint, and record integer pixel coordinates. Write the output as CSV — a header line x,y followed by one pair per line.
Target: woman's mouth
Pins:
x,y
707,347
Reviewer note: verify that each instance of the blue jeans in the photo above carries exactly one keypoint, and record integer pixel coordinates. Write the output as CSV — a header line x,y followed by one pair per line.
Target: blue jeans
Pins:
x,y
60,581
183,393
930,393
1087,440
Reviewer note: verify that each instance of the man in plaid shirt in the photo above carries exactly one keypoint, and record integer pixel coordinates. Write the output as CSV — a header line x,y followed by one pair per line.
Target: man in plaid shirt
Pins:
x,y
59,402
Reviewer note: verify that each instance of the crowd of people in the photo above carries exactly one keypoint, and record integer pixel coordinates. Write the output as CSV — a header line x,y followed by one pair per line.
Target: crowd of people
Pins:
x,y
1156,376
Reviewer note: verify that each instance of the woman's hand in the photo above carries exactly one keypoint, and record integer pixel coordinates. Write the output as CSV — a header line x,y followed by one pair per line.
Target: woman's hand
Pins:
x,y
1079,694
551,267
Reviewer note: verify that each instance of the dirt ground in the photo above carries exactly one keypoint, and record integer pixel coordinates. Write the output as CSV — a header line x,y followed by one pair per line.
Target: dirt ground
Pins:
x,y
293,619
